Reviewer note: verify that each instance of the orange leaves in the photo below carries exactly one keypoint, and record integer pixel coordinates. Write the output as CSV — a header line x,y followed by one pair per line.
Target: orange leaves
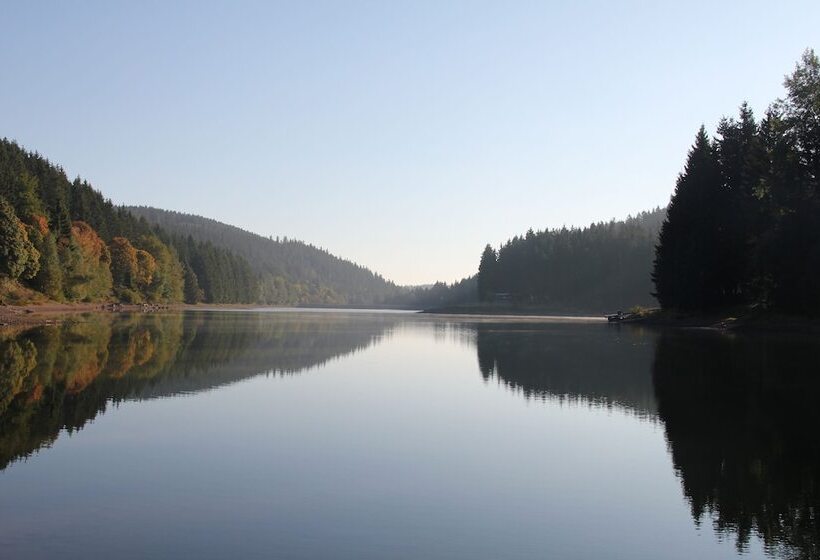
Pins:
x,y
40,223
89,242
146,268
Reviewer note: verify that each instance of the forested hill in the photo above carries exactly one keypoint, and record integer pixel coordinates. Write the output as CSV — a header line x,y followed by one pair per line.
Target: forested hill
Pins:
x,y
289,271
62,240
603,267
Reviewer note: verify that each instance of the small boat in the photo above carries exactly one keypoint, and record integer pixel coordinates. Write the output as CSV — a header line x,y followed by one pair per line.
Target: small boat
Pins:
x,y
621,317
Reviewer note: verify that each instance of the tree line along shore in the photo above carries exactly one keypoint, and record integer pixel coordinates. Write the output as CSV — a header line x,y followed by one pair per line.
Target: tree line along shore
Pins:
x,y
740,237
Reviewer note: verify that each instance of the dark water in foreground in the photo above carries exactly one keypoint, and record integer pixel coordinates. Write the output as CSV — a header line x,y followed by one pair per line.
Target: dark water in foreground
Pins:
x,y
331,435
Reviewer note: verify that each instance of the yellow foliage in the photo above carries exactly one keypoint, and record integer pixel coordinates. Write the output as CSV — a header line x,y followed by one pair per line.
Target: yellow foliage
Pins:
x,y
146,267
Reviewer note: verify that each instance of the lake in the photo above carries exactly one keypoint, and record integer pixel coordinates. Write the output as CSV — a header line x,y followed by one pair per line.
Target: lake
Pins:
x,y
229,434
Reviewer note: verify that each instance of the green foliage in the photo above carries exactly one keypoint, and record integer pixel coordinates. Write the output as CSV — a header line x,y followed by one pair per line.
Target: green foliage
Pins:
x,y
288,271
87,264
18,256
57,378
192,292
75,262
22,194
49,278
167,282
441,294
743,223
593,269
222,276
17,359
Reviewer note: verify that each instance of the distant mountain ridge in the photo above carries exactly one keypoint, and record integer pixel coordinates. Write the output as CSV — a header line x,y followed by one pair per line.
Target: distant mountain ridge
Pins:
x,y
290,271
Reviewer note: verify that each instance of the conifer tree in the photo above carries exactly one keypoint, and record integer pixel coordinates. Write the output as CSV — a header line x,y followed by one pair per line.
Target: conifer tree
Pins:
x,y
793,140
193,293
691,245
742,162
487,271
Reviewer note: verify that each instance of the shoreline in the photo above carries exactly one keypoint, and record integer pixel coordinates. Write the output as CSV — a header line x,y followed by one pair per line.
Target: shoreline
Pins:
x,y
38,314
739,320
735,320
49,313
509,310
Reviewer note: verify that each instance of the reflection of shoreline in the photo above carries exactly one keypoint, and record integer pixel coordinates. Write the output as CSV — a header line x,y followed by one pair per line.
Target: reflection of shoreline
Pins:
x,y
61,376
13,317
739,412
741,417
580,363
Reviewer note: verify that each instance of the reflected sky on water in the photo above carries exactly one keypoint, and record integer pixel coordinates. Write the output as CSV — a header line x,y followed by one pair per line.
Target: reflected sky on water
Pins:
x,y
340,435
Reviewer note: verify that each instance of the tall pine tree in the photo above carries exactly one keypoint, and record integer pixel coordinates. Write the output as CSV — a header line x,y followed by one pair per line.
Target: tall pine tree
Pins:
x,y
692,250
487,274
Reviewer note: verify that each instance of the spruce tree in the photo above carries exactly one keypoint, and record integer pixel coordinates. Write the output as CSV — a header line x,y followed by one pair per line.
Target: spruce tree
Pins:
x,y
691,242
793,139
193,293
742,162
487,271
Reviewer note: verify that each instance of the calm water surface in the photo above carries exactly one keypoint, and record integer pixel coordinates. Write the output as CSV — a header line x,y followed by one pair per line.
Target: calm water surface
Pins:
x,y
341,435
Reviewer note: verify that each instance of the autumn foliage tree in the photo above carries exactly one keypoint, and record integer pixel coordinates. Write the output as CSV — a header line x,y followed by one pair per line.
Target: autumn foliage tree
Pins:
x,y
18,256
166,273
124,269
65,240
87,262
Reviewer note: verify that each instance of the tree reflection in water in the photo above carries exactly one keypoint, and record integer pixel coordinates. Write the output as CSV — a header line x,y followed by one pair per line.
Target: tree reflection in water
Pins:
x,y
60,377
740,413
741,419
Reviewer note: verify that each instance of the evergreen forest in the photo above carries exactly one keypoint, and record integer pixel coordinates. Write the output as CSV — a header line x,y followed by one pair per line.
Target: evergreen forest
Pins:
x,y
63,241
743,226
592,269
290,272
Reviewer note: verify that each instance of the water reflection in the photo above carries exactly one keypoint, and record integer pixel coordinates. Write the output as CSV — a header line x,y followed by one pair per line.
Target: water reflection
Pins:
x,y
573,363
741,419
60,377
739,412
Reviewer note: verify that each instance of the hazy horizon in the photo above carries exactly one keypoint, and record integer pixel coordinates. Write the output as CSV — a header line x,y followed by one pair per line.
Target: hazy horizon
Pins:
x,y
401,138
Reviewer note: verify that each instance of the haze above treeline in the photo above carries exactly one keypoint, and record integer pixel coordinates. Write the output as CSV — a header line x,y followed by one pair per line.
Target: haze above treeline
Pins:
x,y
739,230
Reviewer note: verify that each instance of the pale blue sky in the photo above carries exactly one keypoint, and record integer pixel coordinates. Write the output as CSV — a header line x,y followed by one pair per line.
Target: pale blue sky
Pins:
x,y
403,136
